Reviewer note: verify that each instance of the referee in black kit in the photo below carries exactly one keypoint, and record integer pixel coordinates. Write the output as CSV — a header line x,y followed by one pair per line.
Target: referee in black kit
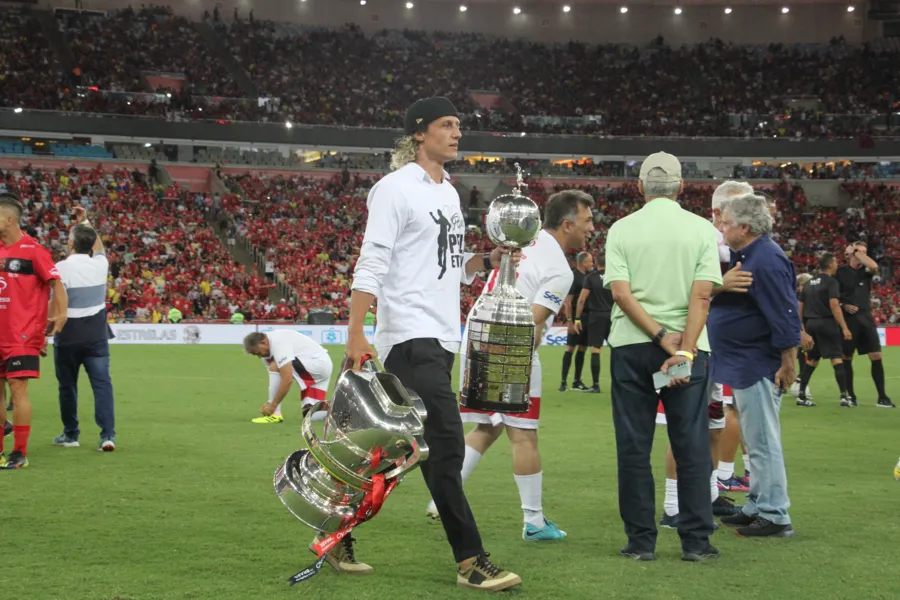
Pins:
x,y
593,316
821,316
576,337
855,279
412,260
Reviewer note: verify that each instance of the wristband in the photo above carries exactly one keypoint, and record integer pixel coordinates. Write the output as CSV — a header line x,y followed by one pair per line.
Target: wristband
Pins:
x,y
686,354
487,261
659,336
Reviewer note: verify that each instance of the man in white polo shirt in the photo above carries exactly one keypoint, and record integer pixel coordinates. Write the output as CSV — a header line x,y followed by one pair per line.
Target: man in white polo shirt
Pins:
x,y
84,341
413,261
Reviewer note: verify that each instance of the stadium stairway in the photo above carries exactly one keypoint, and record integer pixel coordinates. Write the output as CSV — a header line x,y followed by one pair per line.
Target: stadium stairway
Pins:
x,y
228,61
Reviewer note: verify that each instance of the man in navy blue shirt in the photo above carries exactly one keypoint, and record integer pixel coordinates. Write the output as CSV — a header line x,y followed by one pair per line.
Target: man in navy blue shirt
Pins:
x,y
754,338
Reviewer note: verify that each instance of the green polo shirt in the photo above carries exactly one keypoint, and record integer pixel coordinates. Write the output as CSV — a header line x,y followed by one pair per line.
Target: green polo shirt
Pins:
x,y
660,250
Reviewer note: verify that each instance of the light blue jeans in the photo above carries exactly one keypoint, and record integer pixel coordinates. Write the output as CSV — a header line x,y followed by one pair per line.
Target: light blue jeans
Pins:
x,y
758,408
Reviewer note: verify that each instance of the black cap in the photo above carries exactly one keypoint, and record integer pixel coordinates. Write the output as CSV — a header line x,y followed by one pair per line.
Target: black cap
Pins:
x,y
424,112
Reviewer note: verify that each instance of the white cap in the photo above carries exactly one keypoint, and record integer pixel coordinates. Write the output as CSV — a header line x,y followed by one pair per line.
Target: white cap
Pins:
x,y
664,161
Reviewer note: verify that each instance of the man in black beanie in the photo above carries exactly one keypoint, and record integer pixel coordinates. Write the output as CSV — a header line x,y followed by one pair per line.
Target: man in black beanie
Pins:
x,y
413,261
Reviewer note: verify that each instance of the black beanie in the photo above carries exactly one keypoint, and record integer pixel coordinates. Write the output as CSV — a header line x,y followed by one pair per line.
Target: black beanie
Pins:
x,y
424,112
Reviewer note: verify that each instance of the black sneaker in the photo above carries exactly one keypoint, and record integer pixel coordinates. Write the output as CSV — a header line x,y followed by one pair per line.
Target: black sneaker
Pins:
x,y
853,401
635,553
847,401
563,387
723,506
579,386
761,527
700,554
594,389
7,429
738,519
885,403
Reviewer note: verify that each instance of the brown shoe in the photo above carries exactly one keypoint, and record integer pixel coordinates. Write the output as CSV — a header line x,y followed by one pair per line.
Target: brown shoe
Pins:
x,y
342,558
485,575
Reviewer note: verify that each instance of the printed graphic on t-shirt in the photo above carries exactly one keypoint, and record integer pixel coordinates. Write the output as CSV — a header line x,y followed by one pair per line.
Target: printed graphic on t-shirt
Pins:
x,y
451,238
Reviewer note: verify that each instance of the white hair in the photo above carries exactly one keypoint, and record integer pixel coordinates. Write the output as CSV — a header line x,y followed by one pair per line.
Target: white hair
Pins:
x,y
750,210
729,189
661,188
405,151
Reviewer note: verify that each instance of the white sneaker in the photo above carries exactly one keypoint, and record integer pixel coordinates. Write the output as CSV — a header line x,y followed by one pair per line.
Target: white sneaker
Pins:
x,y
432,512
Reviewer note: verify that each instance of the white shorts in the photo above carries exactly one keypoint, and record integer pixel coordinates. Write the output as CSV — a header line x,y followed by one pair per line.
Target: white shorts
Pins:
x,y
717,395
312,374
526,420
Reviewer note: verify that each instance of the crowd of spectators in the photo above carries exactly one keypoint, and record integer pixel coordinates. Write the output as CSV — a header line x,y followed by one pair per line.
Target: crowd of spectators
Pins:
x,y
29,74
163,253
347,77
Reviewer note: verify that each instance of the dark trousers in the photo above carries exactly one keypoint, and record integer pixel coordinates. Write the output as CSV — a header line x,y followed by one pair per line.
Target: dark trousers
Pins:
x,y
95,359
424,366
634,404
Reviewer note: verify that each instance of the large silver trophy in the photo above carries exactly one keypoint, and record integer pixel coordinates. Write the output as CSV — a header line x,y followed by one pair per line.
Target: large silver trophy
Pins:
x,y
372,436
501,327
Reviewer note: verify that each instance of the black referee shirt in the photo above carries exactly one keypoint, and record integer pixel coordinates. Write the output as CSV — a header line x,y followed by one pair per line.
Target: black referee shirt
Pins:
x,y
816,297
856,287
600,299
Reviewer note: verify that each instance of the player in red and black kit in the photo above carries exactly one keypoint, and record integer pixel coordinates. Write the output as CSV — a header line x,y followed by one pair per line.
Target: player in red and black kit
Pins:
x,y
27,275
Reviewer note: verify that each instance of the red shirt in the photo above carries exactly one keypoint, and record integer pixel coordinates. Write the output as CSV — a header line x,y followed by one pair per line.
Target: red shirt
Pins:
x,y
26,269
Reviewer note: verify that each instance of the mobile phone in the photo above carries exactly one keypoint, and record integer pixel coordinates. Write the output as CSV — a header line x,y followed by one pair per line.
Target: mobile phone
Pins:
x,y
681,370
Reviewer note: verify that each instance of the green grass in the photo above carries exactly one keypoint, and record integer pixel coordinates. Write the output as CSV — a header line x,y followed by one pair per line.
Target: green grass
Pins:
x,y
184,509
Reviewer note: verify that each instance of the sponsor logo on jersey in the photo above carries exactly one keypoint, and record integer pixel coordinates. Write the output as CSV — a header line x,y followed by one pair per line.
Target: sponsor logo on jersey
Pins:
x,y
555,297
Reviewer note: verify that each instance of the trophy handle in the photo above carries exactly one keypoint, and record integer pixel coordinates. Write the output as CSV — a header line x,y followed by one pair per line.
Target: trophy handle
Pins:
x,y
368,363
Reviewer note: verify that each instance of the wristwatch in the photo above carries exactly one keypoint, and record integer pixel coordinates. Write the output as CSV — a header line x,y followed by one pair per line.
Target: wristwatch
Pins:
x,y
657,339
487,262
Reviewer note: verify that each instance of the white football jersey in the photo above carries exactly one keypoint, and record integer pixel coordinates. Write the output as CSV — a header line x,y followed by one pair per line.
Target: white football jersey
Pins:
x,y
543,276
724,251
285,345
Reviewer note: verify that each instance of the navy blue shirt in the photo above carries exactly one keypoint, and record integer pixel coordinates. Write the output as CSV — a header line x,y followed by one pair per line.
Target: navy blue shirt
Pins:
x,y
748,331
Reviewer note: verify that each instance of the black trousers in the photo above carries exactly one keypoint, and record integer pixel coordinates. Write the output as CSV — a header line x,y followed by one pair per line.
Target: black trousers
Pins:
x,y
424,366
634,404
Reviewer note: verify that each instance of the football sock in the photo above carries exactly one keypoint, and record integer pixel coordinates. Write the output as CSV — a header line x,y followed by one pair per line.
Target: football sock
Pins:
x,y
567,363
274,383
840,375
671,502
726,470
713,486
878,377
746,459
848,378
595,368
470,461
579,364
20,436
805,375
530,494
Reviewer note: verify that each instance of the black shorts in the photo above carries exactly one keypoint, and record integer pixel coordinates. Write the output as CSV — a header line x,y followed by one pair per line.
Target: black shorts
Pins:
x,y
826,334
579,339
865,338
598,325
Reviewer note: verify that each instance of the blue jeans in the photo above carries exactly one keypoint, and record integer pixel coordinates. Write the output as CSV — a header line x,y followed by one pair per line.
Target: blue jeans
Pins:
x,y
758,411
634,404
95,359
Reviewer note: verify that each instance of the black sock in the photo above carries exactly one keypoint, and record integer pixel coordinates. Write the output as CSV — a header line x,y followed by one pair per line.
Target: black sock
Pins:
x,y
567,362
805,375
840,375
595,368
878,377
848,369
579,364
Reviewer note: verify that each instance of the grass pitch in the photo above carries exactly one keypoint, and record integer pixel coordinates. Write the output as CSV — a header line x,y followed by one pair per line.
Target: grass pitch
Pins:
x,y
184,509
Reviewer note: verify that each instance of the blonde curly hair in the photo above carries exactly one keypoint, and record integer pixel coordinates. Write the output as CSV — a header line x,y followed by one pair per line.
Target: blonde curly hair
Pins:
x,y
406,150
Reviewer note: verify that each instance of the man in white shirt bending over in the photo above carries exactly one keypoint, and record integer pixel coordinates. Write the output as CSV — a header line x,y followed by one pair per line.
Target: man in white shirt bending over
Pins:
x,y
544,278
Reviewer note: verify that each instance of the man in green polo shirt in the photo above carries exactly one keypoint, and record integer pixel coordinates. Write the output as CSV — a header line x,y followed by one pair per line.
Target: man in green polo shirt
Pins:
x,y
661,265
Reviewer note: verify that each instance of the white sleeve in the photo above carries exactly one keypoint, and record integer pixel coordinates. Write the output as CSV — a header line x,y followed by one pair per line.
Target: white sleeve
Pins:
x,y
387,215
63,273
553,291
371,268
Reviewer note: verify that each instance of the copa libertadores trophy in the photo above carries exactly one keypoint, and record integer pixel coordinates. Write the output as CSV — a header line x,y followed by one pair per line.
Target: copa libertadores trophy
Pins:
x,y
372,437
500,343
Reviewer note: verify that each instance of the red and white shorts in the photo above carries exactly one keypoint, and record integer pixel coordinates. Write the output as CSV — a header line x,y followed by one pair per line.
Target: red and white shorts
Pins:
x,y
718,397
526,420
312,374
20,362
